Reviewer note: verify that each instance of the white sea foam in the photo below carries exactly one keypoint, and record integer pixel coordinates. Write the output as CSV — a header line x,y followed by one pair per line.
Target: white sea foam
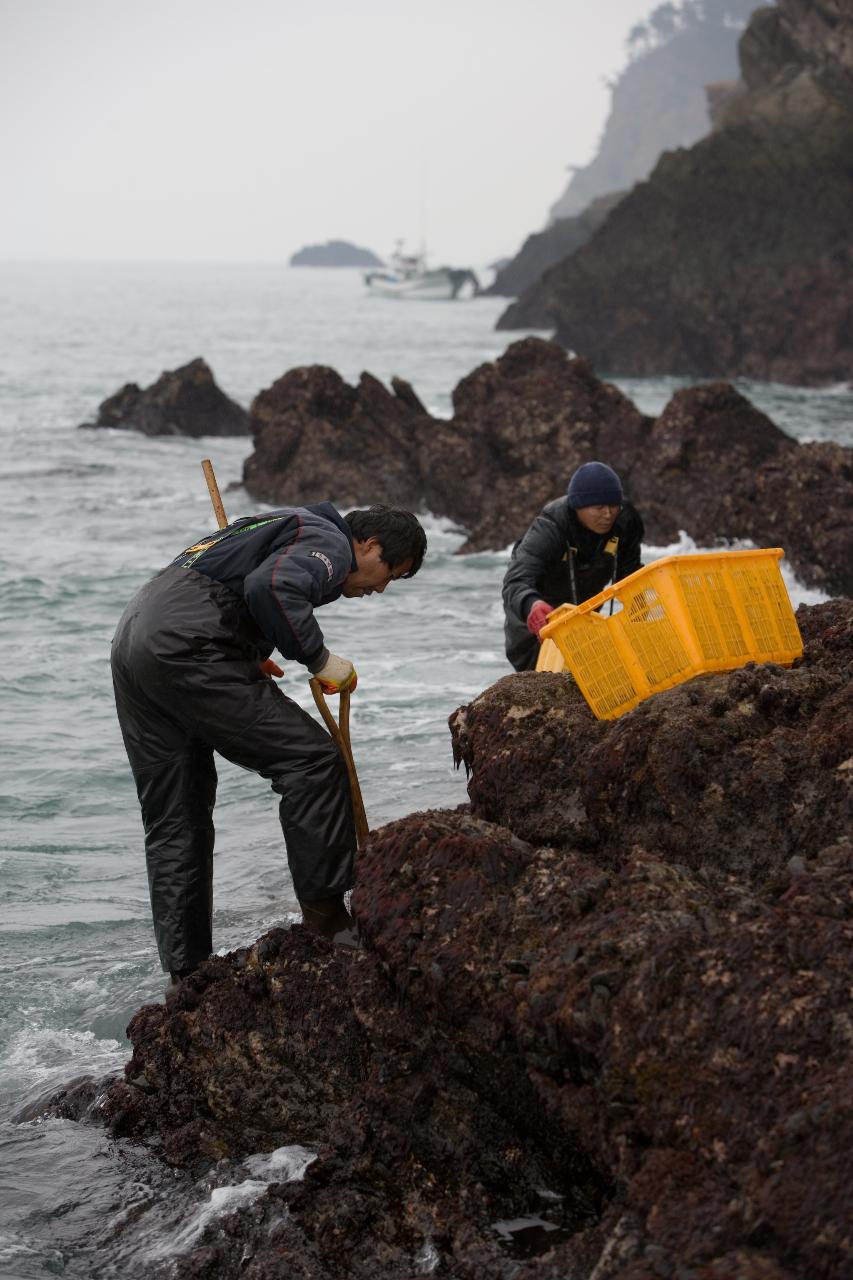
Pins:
x,y
38,1060
685,545
222,1200
285,1164
43,1051
427,1258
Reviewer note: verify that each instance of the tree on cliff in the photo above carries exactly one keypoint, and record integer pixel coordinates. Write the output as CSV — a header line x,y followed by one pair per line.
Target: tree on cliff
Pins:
x,y
659,100
668,19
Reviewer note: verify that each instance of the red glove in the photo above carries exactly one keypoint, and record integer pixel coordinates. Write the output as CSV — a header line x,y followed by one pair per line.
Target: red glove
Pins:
x,y
538,616
271,668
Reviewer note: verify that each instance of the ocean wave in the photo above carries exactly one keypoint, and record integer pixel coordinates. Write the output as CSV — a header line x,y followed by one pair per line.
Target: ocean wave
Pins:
x,y
12,474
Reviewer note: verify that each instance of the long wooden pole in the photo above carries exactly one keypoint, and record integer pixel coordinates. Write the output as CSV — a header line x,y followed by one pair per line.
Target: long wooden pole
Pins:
x,y
213,490
340,732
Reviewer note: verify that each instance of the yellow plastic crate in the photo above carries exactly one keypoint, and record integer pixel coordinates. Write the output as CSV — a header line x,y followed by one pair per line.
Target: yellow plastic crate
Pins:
x,y
679,617
550,658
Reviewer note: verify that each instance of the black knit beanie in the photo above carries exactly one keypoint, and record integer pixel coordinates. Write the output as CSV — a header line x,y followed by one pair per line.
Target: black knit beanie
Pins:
x,y
595,485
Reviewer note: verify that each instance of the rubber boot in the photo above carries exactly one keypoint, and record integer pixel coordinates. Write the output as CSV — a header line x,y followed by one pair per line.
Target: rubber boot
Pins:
x,y
176,977
330,919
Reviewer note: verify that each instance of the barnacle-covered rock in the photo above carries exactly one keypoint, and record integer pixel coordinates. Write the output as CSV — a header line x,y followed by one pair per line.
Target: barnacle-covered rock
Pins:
x,y
610,1001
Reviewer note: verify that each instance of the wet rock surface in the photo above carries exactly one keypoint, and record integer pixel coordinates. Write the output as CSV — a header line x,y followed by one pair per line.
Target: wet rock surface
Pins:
x,y
711,464
543,249
612,996
716,465
182,402
734,258
728,774
316,434
516,422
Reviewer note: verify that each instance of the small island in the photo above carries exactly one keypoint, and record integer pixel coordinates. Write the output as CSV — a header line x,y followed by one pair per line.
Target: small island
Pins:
x,y
334,253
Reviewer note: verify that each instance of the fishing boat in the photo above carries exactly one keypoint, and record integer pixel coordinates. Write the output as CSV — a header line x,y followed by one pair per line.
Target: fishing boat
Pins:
x,y
408,276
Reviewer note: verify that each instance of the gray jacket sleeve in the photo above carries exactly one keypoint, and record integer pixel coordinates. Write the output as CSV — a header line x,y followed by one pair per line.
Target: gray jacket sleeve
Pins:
x,y
283,591
542,546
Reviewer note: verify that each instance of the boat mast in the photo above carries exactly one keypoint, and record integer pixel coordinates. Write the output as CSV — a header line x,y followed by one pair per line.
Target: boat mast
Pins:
x,y
423,211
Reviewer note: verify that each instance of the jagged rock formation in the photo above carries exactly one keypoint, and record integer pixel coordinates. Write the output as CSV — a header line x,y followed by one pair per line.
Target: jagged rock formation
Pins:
x,y
658,104
735,257
544,248
334,253
614,996
182,402
711,465
315,434
714,462
516,424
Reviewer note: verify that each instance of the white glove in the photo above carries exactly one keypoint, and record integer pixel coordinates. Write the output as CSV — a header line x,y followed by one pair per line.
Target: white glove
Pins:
x,y
337,676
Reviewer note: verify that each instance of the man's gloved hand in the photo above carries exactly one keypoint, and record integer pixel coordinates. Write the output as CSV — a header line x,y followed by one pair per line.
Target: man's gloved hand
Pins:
x,y
338,675
270,668
538,616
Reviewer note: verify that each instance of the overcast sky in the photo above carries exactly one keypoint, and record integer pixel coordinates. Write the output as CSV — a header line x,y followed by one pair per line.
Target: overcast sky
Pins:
x,y
235,130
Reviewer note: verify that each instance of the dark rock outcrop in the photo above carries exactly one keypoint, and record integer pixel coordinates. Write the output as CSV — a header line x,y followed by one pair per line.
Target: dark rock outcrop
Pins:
x,y
334,253
614,997
544,248
314,435
182,402
682,773
711,464
518,422
735,258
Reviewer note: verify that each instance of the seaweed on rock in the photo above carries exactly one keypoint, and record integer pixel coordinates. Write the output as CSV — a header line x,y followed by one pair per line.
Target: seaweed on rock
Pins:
x,y
612,995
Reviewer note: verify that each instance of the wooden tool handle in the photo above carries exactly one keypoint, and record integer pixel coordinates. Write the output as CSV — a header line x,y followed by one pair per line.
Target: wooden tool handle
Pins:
x,y
323,708
213,490
340,733
343,718
361,827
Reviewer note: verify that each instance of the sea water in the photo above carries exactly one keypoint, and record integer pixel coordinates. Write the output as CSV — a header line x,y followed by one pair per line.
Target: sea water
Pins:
x,y
87,516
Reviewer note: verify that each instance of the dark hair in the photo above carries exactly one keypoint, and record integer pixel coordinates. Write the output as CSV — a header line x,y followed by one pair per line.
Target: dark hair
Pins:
x,y
398,532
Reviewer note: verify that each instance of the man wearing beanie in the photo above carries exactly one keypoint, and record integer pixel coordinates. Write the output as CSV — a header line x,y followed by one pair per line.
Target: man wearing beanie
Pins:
x,y
572,550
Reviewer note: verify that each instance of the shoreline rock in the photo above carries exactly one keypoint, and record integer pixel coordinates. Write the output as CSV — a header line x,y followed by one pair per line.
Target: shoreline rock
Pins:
x,y
611,995
182,402
710,464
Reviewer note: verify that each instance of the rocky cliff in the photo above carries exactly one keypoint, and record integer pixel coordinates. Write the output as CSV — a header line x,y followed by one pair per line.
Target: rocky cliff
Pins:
x,y
599,1026
659,101
541,250
736,256
711,464
667,97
